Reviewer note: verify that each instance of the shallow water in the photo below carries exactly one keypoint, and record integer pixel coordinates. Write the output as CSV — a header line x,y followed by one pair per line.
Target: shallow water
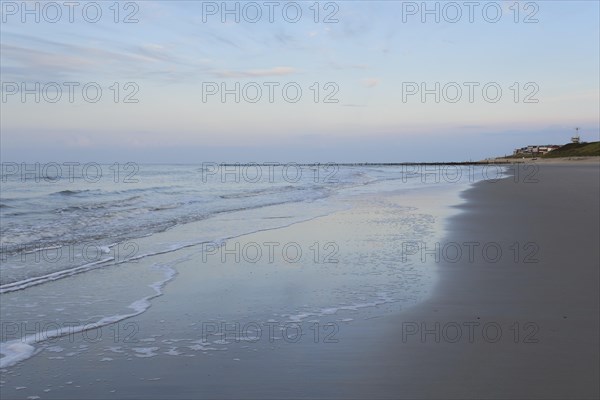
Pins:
x,y
320,261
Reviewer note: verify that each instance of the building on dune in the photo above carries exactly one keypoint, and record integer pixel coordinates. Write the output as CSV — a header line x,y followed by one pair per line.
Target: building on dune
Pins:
x,y
535,150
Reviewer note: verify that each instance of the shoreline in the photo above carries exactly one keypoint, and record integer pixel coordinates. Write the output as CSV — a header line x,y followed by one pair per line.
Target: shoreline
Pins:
x,y
595,160
344,300
547,311
491,161
378,301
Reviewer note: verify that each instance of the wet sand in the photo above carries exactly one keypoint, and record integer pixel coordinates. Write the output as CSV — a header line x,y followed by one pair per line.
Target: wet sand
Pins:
x,y
539,307
179,348
554,301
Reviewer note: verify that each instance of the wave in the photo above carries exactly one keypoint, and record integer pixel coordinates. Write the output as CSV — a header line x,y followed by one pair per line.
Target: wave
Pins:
x,y
18,350
25,283
69,192
169,188
382,298
165,207
258,192
38,280
118,203
148,227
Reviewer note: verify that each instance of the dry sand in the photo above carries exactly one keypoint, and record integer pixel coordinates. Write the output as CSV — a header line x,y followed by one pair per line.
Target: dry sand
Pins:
x,y
558,160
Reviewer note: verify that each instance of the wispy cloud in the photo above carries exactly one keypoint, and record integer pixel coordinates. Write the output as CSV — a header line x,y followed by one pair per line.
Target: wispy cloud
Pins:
x,y
29,58
255,73
340,66
371,82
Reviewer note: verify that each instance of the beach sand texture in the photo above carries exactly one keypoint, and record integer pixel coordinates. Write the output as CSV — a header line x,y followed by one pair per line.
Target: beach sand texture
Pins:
x,y
544,299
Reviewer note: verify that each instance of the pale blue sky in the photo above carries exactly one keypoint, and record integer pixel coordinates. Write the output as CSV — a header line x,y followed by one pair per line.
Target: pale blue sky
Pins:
x,y
369,55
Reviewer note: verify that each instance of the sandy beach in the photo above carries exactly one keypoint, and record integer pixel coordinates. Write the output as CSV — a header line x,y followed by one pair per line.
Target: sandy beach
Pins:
x,y
410,311
546,161
240,321
557,355
343,200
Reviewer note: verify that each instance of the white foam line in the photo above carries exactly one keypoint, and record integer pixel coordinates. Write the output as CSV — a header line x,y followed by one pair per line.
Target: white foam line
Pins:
x,y
11,287
44,248
18,350
23,284
384,298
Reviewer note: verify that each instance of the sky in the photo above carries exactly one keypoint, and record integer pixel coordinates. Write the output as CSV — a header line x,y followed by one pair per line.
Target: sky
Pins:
x,y
305,81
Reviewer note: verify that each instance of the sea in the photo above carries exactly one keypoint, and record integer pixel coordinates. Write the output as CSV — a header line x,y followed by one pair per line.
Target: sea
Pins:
x,y
89,245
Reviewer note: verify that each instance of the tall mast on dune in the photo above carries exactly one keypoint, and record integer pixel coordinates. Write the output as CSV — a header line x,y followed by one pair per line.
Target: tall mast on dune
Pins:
x,y
576,138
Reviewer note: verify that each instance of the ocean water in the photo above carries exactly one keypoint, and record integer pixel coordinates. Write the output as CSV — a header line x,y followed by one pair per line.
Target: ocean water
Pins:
x,y
96,246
